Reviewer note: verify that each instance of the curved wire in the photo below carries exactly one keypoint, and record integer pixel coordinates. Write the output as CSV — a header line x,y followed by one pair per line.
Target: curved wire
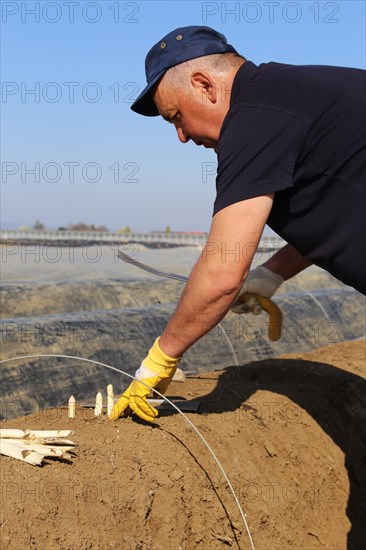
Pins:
x,y
182,278
311,296
170,403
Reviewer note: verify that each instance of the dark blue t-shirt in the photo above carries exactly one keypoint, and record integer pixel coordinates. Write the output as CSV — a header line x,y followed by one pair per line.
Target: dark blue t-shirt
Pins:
x,y
300,132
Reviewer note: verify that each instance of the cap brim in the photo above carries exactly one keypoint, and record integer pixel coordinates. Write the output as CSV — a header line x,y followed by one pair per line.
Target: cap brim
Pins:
x,y
144,104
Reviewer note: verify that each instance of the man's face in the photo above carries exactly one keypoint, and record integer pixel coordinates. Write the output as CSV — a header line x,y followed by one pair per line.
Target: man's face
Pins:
x,y
195,116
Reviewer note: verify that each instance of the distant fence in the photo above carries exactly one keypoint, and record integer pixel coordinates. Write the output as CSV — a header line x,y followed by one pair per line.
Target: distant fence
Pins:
x,y
177,239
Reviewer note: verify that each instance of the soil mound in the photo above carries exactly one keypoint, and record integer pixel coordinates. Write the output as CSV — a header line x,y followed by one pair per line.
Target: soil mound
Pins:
x,y
290,432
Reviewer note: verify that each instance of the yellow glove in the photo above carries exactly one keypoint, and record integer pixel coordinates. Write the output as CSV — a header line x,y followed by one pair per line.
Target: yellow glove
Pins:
x,y
157,370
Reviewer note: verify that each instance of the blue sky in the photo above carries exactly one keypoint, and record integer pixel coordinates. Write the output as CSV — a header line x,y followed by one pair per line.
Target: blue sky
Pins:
x,y
94,159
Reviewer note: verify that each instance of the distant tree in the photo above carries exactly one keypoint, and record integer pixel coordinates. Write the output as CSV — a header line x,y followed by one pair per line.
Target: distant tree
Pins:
x,y
123,230
168,229
38,226
81,226
61,228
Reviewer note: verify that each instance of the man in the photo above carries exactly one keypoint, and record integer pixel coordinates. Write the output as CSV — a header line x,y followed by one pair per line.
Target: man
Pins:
x,y
290,142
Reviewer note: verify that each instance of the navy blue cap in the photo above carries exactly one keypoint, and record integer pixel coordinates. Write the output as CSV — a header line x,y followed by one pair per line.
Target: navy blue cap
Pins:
x,y
178,46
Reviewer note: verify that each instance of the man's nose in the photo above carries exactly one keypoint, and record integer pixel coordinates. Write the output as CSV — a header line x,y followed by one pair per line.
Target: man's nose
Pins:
x,y
184,138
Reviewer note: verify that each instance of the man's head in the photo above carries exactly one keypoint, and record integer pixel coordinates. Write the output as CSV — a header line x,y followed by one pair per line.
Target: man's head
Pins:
x,y
189,75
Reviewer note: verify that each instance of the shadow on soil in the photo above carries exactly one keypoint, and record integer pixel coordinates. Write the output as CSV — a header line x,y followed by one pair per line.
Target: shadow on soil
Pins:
x,y
334,398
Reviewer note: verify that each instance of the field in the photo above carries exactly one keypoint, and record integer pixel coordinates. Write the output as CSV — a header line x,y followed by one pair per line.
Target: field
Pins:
x,y
290,433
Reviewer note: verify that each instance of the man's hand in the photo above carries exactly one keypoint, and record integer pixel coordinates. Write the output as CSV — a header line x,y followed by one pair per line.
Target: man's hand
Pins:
x,y
157,370
261,281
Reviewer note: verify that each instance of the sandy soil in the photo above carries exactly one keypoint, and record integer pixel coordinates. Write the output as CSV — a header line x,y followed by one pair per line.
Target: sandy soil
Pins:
x,y
290,433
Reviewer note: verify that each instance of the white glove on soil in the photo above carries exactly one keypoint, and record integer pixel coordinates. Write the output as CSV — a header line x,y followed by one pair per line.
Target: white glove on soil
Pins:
x,y
261,281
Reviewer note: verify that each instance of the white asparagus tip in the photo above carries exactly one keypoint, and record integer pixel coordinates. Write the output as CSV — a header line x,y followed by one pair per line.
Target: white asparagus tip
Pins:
x,y
72,407
98,404
110,399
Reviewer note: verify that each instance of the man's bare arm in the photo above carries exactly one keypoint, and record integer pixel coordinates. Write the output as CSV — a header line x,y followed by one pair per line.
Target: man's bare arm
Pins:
x,y
218,274
287,262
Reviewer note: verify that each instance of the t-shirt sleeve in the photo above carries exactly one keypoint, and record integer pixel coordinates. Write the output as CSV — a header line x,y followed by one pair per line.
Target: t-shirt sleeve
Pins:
x,y
257,152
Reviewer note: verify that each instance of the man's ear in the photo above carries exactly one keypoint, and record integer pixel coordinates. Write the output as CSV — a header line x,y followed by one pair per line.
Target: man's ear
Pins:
x,y
205,85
